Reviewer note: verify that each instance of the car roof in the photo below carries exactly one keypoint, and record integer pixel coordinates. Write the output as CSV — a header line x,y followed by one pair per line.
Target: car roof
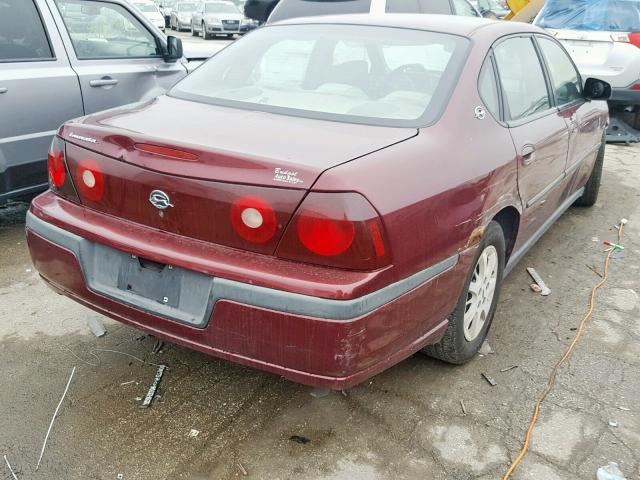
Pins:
x,y
454,24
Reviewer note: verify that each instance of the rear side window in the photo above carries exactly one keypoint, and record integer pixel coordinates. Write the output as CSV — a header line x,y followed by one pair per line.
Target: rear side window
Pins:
x,y
22,34
312,8
464,8
522,78
564,76
105,30
442,7
488,89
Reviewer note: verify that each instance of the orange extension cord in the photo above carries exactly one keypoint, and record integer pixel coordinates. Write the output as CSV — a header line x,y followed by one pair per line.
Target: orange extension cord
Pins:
x,y
565,357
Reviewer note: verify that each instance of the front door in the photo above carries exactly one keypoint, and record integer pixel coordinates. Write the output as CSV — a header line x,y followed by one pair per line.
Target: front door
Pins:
x,y
38,92
117,58
539,132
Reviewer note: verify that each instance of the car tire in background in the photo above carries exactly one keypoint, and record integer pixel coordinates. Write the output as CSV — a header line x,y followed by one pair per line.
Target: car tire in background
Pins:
x,y
205,35
466,330
591,189
193,31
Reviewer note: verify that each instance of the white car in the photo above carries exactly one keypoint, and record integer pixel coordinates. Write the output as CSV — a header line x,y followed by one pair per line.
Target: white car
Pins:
x,y
150,10
603,38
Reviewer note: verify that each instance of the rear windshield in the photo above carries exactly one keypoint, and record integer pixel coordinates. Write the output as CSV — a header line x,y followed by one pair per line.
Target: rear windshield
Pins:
x,y
603,15
312,8
361,74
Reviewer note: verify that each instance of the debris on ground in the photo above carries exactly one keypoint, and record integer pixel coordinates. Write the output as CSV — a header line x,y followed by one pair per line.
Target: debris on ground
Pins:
x,y
594,270
55,413
157,347
485,349
490,380
320,392
613,423
544,290
193,433
299,439
13,474
154,387
120,476
97,327
624,409
127,383
535,288
610,472
464,409
242,469
506,369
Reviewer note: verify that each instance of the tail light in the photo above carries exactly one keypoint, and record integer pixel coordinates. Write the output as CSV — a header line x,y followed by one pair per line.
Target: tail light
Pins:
x,y
338,230
632,38
254,219
59,180
89,180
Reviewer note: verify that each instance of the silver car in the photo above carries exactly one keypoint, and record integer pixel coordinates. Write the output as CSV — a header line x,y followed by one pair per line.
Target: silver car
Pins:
x,y
218,18
180,18
61,59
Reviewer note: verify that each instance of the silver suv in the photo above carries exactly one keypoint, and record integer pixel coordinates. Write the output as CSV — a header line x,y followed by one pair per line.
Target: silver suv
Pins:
x,y
61,59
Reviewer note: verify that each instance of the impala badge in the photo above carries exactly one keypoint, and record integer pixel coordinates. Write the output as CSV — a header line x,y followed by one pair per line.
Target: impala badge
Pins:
x,y
160,200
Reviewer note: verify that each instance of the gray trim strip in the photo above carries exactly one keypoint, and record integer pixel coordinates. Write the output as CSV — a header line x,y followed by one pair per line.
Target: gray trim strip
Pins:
x,y
517,255
269,298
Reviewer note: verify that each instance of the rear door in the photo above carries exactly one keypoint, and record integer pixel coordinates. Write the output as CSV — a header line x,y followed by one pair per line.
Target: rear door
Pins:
x,y
539,132
117,57
38,92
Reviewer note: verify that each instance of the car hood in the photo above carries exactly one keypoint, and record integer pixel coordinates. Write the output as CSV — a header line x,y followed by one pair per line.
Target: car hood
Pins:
x,y
229,145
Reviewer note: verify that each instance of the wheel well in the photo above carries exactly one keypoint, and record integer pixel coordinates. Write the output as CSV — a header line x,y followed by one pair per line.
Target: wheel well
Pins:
x,y
509,220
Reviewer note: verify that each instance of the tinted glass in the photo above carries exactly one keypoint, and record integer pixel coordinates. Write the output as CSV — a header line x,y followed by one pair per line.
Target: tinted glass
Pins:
x,y
22,35
462,7
105,30
522,78
564,76
418,6
604,15
361,74
488,89
220,8
311,8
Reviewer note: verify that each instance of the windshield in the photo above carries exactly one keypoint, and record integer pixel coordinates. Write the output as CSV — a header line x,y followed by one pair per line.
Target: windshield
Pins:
x,y
220,8
604,15
147,7
186,7
361,74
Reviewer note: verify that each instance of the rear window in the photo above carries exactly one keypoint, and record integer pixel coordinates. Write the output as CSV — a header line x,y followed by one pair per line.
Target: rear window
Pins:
x,y
595,15
312,8
360,74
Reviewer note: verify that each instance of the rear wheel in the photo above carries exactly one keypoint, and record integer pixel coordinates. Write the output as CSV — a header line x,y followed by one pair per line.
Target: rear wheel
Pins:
x,y
193,31
470,321
592,188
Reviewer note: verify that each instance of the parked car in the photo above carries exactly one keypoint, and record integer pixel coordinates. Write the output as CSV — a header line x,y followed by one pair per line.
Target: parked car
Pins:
x,y
61,59
491,8
399,166
276,10
219,18
150,10
180,18
603,38
166,7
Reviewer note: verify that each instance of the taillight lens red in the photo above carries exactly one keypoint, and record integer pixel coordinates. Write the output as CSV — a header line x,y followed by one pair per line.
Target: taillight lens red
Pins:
x,y
56,164
336,229
90,180
632,38
635,38
254,219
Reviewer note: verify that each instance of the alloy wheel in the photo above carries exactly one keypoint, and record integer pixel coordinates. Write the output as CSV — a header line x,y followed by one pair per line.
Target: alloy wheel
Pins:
x,y
480,293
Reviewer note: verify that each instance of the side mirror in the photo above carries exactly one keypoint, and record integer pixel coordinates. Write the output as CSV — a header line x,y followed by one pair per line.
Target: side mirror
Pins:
x,y
174,49
595,89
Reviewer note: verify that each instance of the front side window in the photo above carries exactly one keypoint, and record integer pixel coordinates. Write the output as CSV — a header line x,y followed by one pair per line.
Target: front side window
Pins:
x,y
361,74
564,76
462,7
105,30
22,34
522,78
595,15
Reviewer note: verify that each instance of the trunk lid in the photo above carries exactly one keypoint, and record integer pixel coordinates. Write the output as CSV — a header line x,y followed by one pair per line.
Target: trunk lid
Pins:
x,y
586,47
218,158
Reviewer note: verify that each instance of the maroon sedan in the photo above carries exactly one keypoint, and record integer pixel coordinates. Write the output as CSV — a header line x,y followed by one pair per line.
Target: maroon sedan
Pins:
x,y
327,196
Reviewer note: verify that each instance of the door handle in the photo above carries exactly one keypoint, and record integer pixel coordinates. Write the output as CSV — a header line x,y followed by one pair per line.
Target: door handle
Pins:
x,y
3,90
528,154
104,82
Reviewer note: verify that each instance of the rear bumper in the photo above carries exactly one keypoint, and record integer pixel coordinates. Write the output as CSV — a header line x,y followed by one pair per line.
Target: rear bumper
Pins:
x,y
316,341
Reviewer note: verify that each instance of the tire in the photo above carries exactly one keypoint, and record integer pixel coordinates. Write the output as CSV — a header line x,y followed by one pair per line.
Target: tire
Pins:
x,y
193,31
229,35
592,187
462,340
205,35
